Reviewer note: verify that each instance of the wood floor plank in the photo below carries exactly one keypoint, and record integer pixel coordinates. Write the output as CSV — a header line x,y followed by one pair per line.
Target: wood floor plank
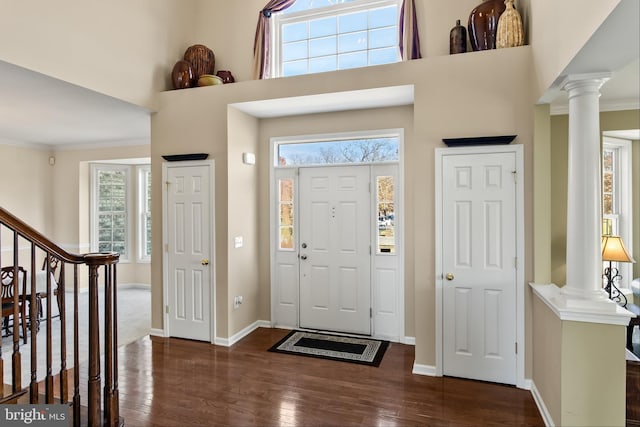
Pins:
x,y
173,382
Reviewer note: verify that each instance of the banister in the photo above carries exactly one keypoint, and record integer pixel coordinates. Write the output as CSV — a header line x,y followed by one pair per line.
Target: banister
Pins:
x,y
101,264
25,230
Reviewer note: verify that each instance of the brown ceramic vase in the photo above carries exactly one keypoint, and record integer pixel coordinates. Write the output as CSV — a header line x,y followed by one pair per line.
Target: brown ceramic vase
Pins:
x,y
483,24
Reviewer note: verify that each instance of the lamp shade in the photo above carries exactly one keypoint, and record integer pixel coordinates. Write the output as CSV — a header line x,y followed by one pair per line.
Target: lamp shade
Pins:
x,y
613,250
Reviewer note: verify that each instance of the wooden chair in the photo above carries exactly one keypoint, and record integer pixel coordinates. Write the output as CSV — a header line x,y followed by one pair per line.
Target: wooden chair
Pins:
x,y
53,263
8,301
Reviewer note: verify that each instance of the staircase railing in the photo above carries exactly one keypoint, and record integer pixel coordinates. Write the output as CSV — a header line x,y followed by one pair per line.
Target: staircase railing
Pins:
x,y
27,249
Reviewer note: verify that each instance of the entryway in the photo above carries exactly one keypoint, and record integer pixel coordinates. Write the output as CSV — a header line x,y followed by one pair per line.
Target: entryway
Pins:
x,y
335,259
479,248
188,249
337,244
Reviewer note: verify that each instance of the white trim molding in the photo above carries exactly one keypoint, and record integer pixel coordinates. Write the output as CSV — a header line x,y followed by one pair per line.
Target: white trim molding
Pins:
x,y
228,342
155,332
582,309
428,370
409,340
542,408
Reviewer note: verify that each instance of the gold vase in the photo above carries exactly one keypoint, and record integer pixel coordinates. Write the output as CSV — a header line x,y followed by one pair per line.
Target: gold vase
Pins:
x,y
509,33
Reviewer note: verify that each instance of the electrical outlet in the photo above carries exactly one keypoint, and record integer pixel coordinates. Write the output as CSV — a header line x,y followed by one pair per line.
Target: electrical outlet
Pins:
x,y
237,301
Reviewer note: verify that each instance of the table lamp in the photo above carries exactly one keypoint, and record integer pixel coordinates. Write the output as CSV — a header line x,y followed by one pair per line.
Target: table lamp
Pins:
x,y
613,250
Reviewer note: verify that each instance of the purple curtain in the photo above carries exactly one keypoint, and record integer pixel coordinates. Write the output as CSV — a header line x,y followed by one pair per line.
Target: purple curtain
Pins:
x,y
262,41
409,39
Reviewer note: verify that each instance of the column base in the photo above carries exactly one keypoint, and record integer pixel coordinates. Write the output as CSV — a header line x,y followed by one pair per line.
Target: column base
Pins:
x,y
580,293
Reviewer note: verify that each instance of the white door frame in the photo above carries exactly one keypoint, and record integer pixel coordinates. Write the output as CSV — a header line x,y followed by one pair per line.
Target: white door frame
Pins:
x,y
212,254
517,149
401,221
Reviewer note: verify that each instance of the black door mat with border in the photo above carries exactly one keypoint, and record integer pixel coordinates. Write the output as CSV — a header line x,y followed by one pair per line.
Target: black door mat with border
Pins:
x,y
364,351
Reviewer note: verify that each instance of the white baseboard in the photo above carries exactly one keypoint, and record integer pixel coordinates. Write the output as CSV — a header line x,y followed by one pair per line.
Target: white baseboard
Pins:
x,y
409,340
542,408
228,342
424,370
157,332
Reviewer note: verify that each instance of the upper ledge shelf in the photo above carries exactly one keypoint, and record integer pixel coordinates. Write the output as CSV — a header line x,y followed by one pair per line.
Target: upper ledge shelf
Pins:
x,y
581,310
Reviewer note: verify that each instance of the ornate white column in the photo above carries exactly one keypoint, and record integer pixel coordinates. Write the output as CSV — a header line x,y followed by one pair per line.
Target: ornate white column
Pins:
x,y
584,223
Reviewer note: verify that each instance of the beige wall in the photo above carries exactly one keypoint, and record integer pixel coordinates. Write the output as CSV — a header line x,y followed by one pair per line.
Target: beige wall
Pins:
x,y
586,346
362,120
245,214
120,48
564,356
547,356
617,120
447,88
26,185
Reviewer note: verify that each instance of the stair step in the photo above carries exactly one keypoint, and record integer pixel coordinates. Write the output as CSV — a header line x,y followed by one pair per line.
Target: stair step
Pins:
x,y
8,396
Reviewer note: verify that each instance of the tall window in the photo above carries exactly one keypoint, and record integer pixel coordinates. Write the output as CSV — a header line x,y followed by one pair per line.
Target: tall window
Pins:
x,y
118,208
617,195
144,213
111,225
314,36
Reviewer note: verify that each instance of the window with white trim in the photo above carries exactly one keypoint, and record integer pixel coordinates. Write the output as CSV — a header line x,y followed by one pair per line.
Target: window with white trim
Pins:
x,y
144,213
314,36
114,214
617,197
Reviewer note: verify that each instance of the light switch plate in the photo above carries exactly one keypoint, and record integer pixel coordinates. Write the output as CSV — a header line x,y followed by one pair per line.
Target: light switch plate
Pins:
x,y
237,242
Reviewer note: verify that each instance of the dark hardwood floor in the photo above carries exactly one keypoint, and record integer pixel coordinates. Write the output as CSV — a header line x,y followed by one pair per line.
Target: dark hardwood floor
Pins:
x,y
173,382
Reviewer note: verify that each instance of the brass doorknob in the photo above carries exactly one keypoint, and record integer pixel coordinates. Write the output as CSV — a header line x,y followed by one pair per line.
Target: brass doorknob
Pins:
x,y
449,276
204,262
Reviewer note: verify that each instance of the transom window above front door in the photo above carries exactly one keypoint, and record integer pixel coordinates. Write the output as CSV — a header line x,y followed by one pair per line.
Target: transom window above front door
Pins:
x,y
342,151
314,36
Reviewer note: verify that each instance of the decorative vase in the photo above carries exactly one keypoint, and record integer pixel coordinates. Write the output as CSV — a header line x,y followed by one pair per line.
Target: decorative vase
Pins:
x,y
509,27
182,75
458,39
483,23
201,59
226,76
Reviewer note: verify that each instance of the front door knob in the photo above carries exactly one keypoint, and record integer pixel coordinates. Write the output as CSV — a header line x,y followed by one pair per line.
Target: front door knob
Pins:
x,y
303,257
449,276
204,262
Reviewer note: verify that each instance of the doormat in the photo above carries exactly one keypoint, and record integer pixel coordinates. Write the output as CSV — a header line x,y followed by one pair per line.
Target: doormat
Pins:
x,y
364,351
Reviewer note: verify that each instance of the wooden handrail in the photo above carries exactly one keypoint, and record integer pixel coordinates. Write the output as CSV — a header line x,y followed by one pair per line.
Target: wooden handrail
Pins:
x,y
99,264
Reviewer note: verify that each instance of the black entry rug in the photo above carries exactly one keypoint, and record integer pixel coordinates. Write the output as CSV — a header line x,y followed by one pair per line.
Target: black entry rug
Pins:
x,y
364,351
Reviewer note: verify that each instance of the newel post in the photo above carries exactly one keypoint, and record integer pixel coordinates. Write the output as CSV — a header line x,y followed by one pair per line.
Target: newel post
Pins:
x,y
95,418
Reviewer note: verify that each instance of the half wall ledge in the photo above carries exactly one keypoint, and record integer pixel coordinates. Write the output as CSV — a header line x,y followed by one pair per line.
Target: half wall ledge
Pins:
x,y
579,309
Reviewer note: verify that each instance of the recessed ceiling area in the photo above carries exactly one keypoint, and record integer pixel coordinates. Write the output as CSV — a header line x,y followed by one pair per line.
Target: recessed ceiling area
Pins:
x,y
393,96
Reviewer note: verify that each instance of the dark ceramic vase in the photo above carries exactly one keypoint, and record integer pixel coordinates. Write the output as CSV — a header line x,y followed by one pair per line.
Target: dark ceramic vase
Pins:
x,y
458,39
226,76
182,75
483,24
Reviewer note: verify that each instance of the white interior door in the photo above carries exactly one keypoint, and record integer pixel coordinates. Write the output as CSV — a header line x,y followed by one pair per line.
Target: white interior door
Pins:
x,y
479,266
335,224
189,252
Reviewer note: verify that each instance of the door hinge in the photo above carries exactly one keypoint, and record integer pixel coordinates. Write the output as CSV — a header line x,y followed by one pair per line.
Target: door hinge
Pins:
x,y
166,309
515,176
369,249
370,312
369,187
516,348
167,184
515,262
166,247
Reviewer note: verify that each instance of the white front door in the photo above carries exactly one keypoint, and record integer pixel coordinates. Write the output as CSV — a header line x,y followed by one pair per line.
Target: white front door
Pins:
x,y
335,226
189,252
479,266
